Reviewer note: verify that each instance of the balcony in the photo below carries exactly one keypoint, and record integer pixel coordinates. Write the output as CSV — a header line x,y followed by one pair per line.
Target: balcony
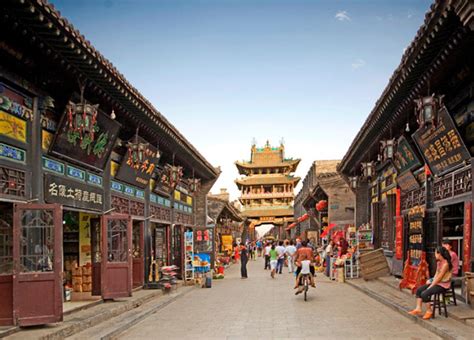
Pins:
x,y
268,195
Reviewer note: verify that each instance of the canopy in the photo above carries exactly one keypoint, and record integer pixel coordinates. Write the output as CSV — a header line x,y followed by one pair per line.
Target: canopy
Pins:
x,y
328,229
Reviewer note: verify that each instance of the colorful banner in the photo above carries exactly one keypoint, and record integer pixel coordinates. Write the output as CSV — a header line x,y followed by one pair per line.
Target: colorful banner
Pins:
x,y
398,227
84,239
467,236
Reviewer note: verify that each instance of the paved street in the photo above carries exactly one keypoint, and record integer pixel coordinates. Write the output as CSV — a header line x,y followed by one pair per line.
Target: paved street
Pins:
x,y
264,308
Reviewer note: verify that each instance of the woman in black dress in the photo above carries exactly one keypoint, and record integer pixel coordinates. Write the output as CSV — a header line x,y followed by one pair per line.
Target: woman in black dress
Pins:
x,y
244,257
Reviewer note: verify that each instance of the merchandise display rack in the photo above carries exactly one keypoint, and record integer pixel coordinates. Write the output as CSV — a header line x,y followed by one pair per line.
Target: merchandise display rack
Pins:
x,y
365,238
189,256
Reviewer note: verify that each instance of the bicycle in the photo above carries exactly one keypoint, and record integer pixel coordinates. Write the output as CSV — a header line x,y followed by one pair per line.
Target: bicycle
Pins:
x,y
306,284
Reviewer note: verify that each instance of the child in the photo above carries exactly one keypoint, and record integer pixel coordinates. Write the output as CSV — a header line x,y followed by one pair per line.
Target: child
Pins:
x,y
305,269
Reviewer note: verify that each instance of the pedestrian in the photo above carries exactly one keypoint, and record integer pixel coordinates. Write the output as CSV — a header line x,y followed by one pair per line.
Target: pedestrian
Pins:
x,y
243,261
329,253
280,249
259,248
290,251
268,247
236,253
439,284
454,257
298,243
273,260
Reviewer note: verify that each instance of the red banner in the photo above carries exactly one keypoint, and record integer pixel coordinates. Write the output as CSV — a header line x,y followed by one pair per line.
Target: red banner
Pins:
x,y
467,236
398,228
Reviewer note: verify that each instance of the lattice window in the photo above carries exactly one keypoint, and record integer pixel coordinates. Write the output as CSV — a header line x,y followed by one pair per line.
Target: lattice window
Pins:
x,y
463,182
121,204
443,188
12,182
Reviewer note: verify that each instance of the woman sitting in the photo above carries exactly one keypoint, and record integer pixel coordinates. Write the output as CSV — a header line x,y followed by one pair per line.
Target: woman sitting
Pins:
x,y
439,284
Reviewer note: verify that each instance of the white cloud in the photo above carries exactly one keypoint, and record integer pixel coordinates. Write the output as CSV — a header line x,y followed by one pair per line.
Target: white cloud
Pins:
x,y
342,16
358,63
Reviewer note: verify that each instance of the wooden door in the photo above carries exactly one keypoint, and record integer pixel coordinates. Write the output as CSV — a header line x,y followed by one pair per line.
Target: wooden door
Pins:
x,y
37,273
177,248
96,254
138,254
116,268
6,264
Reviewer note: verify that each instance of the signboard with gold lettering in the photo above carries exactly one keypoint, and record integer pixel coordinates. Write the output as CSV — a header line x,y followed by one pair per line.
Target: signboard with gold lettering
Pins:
x,y
405,158
72,193
407,181
441,146
138,173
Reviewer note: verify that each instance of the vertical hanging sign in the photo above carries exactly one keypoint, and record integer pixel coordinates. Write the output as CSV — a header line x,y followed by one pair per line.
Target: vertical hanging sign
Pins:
x,y
398,228
467,236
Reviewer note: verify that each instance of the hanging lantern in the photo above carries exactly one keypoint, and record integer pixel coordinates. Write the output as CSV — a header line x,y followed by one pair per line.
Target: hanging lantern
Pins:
x,y
353,182
426,110
368,169
137,153
82,120
172,175
388,148
194,184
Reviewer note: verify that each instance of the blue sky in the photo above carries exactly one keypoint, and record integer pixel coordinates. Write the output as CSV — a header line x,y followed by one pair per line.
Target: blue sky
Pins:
x,y
225,72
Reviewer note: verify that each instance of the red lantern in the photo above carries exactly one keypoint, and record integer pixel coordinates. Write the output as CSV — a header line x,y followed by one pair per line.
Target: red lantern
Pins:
x,y
322,205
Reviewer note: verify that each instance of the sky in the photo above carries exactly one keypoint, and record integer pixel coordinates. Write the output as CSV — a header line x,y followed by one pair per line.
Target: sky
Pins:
x,y
225,71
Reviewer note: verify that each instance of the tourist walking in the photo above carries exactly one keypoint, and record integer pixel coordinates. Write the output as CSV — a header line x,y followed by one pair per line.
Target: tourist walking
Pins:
x,y
243,261
329,253
273,260
290,251
280,249
267,249
259,248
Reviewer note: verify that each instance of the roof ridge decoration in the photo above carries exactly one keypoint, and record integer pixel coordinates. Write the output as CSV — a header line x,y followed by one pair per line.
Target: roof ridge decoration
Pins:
x,y
124,85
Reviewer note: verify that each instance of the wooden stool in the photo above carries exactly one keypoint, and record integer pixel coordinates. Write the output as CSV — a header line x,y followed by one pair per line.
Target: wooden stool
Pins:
x,y
450,294
438,302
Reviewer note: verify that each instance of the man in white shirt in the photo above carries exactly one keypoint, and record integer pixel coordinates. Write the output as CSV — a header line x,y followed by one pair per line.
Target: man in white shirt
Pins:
x,y
290,251
268,247
280,249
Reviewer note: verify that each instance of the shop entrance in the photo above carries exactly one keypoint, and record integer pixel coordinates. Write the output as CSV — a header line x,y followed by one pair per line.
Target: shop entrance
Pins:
x,y
116,268
37,258
452,222
81,246
177,248
137,253
6,263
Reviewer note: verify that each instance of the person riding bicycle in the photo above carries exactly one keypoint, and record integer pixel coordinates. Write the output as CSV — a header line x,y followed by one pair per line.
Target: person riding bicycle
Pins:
x,y
302,254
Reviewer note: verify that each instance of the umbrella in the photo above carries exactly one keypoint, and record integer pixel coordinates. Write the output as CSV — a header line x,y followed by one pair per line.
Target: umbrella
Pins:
x,y
328,229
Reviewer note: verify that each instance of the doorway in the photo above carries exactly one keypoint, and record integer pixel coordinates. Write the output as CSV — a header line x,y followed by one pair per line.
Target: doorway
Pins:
x,y
81,278
137,253
6,263
177,248
452,228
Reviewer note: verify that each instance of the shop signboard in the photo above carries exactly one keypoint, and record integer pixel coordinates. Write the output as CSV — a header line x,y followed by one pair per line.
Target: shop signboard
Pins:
x,y
467,237
398,227
138,175
72,193
84,151
442,146
405,158
407,181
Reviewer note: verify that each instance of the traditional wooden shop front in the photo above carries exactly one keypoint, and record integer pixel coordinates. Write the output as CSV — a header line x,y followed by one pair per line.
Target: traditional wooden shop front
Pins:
x,y
410,165
83,161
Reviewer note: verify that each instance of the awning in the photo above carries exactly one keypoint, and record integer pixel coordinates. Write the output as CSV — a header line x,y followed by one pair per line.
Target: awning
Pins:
x,y
328,229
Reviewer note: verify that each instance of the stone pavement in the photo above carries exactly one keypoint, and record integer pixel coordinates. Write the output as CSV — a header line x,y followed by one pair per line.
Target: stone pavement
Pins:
x,y
265,308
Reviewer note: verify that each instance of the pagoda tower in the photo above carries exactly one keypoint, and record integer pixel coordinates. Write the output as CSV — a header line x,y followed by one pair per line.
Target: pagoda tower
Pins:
x,y
267,185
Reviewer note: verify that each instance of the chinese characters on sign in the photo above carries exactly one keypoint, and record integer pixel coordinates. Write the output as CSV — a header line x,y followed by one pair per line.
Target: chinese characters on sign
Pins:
x,y
467,236
405,158
407,181
442,147
138,176
72,193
